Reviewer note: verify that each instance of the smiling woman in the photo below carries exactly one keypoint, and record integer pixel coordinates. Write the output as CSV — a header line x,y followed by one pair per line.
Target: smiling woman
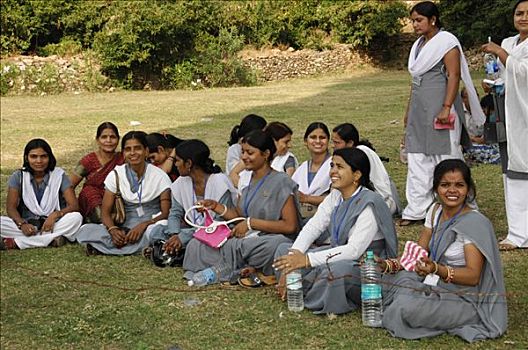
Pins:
x,y
93,168
358,220
146,195
463,256
41,205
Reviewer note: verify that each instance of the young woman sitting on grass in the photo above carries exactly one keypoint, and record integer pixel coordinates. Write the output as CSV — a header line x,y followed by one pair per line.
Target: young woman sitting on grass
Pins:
x,y
313,175
234,165
145,190
93,168
199,178
346,135
41,205
358,220
268,204
459,288
161,152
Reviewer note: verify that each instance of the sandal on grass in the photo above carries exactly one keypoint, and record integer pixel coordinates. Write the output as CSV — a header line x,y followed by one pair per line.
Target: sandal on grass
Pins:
x,y
407,222
507,245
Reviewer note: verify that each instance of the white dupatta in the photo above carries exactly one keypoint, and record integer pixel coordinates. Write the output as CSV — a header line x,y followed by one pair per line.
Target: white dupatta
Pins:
x,y
279,161
155,181
217,185
433,52
50,200
321,181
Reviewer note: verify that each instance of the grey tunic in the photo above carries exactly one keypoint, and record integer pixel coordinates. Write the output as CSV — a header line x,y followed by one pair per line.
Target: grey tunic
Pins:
x,y
414,310
427,97
257,251
336,287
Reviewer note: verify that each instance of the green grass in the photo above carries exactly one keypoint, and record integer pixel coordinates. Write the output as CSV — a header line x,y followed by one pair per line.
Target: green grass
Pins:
x,y
58,298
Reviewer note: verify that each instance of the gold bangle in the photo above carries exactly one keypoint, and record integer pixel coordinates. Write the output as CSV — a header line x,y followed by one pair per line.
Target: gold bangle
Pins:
x,y
111,228
387,266
436,267
225,210
307,261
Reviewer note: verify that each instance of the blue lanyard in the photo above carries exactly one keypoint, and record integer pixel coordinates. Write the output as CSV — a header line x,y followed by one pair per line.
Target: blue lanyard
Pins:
x,y
337,227
434,247
139,186
195,199
248,198
310,166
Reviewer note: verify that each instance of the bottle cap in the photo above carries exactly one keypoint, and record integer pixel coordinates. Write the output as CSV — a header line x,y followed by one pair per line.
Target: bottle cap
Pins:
x,y
370,254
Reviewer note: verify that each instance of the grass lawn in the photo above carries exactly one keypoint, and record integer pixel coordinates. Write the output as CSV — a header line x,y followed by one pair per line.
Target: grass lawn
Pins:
x,y
59,298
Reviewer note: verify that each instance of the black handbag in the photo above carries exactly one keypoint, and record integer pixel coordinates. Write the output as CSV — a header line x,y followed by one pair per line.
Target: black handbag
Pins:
x,y
495,130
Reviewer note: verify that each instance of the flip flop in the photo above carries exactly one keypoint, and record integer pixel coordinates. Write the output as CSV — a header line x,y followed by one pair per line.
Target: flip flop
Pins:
x,y
507,245
256,280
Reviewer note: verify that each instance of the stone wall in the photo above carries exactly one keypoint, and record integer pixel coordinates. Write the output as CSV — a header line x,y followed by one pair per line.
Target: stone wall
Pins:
x,y
51,75
275,64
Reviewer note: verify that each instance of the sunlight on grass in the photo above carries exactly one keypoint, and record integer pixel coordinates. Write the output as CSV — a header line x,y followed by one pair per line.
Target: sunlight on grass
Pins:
x,y
58,298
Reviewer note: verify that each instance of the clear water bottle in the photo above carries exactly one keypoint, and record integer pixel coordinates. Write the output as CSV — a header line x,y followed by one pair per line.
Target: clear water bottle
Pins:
x,y
371,300
210,275
294,291
491,64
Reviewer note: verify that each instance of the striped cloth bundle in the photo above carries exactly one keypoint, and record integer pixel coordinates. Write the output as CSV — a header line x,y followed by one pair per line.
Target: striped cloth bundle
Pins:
x,y
412,253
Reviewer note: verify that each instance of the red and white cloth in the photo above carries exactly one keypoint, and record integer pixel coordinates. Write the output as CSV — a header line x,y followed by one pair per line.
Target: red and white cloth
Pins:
x,y
412,254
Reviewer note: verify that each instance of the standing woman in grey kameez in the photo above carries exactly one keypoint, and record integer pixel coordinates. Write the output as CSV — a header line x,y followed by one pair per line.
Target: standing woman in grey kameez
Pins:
x,y
269,205
459,288
358,219
145,190
434,119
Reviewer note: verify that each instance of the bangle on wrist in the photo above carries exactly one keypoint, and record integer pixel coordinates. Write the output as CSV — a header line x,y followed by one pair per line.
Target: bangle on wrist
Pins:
x,y
446,105
224,211
19,224
248,222
306,261
436,267
111,228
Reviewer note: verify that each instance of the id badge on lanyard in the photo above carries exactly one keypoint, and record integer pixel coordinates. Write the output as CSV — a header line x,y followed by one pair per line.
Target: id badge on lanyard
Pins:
x,y
139,209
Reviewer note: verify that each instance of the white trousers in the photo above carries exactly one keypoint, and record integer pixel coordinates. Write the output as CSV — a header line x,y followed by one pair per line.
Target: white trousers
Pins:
x,y
66,226
516,197
420,169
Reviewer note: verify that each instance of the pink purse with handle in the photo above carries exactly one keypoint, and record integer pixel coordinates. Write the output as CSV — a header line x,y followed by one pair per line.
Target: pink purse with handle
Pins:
x,y
213,233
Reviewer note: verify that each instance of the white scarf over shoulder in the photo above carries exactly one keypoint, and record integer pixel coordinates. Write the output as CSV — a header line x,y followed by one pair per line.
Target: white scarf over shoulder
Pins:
x,y
433,52
320,183
217,185
279,161
515,76
155,181
50,200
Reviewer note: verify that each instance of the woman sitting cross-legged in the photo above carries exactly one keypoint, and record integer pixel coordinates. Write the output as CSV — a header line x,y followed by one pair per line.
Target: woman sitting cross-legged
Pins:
x,y
93,168
358,219
313,175
41,205
199,178
145,190
268,203
347,135
459,288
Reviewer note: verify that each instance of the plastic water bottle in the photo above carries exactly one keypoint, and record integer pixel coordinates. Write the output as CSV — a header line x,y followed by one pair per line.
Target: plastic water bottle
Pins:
x,y
492,67
371,300
210,275
294,291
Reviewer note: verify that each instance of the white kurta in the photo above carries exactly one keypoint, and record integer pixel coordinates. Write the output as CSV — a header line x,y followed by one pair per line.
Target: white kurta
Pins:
x,y
360,235
515,75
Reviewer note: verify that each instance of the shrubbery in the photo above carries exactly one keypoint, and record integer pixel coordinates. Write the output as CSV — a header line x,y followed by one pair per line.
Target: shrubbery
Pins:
x,y
472,21
189,43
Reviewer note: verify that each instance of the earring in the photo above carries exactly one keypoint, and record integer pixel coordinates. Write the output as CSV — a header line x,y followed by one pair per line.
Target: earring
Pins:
x,y
433,23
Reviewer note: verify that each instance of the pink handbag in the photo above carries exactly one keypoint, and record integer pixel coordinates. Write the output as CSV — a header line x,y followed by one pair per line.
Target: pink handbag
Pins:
x,y
213,233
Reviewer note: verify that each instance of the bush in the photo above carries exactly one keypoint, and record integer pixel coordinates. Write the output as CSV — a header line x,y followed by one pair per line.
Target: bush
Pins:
x,y
65,48
472,21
